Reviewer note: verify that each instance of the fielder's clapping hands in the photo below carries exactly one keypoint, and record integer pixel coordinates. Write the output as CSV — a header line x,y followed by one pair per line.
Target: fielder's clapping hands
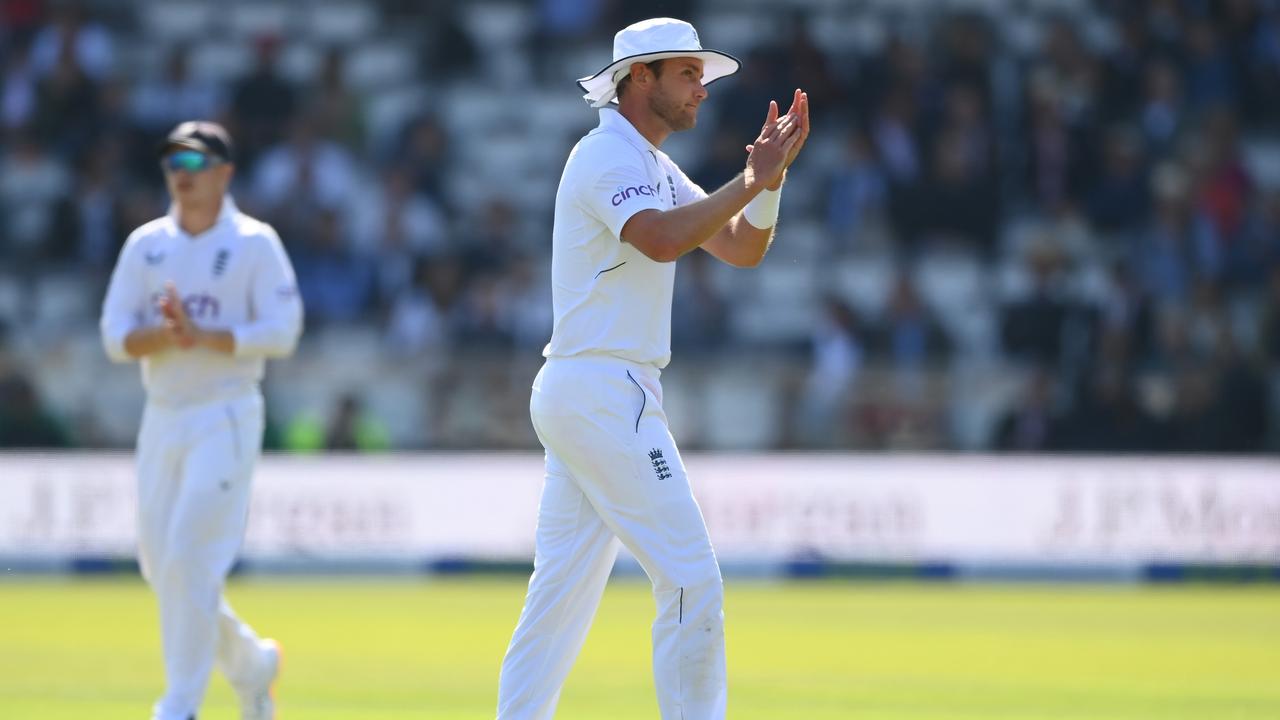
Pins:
x,y
779,143
176,322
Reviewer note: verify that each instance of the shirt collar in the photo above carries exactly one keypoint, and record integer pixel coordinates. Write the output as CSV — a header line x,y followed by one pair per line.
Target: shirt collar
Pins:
x,y
228,211
613,121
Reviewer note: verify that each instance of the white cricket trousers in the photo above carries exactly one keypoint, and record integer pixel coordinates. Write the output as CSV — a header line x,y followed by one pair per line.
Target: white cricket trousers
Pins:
x,y
613,473
195,464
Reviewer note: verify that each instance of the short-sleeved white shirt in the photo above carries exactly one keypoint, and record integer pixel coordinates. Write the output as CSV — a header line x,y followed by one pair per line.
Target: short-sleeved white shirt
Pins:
x,y
608,297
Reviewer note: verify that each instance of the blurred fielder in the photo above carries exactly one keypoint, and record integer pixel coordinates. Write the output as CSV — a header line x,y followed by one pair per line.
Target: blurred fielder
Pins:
x,y
624,213
201,296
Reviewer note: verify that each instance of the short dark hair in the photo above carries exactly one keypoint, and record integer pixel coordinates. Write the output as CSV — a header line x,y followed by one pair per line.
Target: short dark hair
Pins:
x,y
655,66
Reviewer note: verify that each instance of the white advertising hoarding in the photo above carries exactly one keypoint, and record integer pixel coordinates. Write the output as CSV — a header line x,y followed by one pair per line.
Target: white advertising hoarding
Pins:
x,y
760,508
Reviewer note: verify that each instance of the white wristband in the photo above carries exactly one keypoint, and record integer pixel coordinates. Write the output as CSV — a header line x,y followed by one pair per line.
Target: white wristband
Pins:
x,y
762,211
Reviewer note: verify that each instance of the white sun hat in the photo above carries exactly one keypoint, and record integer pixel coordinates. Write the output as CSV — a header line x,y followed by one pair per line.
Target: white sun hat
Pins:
x,y
649,40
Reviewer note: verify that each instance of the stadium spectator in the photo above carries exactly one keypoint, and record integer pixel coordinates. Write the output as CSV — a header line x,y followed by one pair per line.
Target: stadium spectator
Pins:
x,y
24,421
393,224
336,282
73,38
858,191
338,110
1031,425
176,96
33,185
354,429
18,86
303,176
837,360
263,105
1120,199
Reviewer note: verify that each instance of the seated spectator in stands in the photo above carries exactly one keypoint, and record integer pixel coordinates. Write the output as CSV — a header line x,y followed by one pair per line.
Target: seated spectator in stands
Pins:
x,y
806,65
337,108
24,421
263,105
1031,424
723,161
837,360
1250,259
1120,199
908,333
428,317
958,203
393,224
68,108
159,104
1125,312
1057,149
1179,243
17,87
98,216
1223,184
1107,417
525,310
1210,77
354,429
305,174
448,50
701,321
858,191
1032,328
739,98
336,283
1163,111
423,146
1270,331
72,34
33,188
488,243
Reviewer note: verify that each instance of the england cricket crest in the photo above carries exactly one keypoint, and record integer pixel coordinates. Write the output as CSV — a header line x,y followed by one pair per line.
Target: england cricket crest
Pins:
x,y
660,467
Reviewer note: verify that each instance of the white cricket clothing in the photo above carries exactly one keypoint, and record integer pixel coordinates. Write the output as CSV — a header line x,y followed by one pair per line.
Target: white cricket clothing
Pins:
x,y
234,276
201,432
608,297
613,471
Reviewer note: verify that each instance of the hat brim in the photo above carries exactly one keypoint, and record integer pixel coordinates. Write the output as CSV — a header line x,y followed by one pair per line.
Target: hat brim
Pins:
x,y
186,144
600,88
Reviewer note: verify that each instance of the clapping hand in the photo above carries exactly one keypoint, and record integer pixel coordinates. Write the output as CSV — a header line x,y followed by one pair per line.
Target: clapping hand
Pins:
x,y
780,141
175,317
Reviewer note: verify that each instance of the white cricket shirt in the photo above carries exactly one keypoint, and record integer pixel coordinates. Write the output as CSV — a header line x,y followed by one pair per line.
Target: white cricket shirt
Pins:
x,y
234,276
608,297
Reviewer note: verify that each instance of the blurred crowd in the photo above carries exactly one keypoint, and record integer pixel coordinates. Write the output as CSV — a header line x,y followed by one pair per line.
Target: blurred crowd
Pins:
x,y
1109,173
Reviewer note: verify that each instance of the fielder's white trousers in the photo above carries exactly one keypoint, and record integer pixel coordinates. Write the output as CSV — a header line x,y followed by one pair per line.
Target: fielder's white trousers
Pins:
x,y
195,464
613,473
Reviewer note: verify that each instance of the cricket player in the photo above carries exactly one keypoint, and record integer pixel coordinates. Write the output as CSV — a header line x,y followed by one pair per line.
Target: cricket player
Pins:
x,y
624,214
201,296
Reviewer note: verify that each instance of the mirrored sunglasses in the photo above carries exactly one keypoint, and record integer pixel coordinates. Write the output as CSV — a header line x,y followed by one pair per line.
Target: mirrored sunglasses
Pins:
x,y
191,161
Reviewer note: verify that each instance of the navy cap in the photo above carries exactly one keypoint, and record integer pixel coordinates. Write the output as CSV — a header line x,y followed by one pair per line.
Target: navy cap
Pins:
x,y
206,137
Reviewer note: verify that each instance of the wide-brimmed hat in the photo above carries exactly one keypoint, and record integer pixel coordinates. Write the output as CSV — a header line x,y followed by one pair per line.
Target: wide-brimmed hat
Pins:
x,y
649,40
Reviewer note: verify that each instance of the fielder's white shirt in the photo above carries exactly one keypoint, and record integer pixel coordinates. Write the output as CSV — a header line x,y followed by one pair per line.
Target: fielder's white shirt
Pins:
x,y
608,297
234,276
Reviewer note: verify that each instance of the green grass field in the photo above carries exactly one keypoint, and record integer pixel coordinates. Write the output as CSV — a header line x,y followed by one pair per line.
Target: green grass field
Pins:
x,y
383,650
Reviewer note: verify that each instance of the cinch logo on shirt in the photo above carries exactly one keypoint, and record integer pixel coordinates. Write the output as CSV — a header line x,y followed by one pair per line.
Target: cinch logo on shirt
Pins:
x,y
627,193
199,307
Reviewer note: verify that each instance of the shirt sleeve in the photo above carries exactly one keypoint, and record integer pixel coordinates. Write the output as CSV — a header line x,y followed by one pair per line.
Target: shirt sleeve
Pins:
x,y
125,307
275,306
617,185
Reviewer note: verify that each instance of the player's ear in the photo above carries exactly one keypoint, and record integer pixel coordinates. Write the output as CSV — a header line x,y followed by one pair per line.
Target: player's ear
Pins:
x,y
639,72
